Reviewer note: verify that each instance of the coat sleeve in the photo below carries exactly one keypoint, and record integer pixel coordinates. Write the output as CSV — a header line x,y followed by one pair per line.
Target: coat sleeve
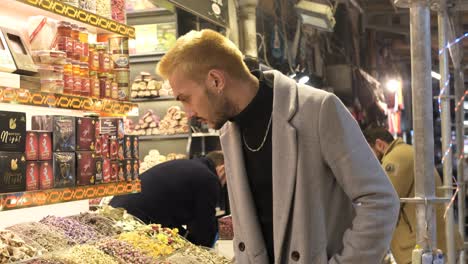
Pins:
x,y
359,173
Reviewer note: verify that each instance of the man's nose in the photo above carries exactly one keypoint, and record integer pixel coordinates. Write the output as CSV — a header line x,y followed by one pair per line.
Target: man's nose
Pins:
x,y
190,113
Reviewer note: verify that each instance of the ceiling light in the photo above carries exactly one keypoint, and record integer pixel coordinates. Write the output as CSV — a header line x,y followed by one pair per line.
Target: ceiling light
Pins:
x,y
393,85
317,15
304,79
435,75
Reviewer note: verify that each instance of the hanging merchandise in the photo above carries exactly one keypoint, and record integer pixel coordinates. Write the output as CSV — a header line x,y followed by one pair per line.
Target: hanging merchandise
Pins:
x,y
277,43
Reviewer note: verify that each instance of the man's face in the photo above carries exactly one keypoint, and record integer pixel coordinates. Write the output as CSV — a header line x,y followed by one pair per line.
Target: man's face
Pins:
x,y
378,149
203,101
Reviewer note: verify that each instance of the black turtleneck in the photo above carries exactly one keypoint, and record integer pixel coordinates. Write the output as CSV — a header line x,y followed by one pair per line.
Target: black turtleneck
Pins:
x,y
253,123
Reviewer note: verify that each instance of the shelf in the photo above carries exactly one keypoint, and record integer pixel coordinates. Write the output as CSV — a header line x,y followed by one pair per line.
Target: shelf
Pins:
x,y
215,134
163,137
60,11
154,99
106,107
146,57
18,200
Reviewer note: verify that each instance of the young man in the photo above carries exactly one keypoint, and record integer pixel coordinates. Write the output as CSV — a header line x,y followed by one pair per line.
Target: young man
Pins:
x,y
180,192
397,159
303,184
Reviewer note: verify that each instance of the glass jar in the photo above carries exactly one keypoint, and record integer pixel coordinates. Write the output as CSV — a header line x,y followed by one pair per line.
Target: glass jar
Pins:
x,y
104,85
85,81
64,38
118,11
122,79
76,78
84,43
114,88
77,46
103,8
93,60
68,77
104,58
94,84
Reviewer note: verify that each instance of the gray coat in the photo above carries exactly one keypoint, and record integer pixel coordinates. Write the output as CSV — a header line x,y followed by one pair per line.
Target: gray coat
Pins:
x,y
332,202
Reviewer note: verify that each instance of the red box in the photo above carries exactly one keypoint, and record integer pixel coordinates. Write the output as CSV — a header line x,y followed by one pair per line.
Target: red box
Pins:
x,y
106,170
136,148
128,169
114,171
105,146
136,169
45,145
121,175
86,168
32,175
120,152
98,146
86,129
127,147
46,175
112,126
98,178
113,148
32,146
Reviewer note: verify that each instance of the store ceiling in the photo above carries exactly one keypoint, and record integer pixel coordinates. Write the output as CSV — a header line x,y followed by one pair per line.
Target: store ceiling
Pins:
x,y
392,25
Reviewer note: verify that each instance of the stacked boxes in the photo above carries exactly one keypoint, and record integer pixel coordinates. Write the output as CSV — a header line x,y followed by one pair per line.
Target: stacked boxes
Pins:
x,y
12,146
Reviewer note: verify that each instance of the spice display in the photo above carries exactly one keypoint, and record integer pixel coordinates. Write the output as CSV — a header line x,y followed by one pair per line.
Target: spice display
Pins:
x,y
146,244
85,254
101,224
48,237
73,229
13,248
118,11
44,261
194,255
163,235
123,251
103,8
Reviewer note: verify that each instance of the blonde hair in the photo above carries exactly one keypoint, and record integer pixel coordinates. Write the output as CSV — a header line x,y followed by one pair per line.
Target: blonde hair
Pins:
x,y
198,52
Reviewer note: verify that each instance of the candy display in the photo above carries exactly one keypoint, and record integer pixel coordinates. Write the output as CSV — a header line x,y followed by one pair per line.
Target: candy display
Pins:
x,y
13,248
147,124
154,158
124,251
73,229
48,237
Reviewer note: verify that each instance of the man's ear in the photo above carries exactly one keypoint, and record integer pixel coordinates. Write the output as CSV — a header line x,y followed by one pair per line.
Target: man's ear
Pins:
x,y
216,80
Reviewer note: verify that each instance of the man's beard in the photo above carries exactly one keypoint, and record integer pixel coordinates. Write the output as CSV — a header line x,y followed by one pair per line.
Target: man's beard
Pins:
x,y
221,109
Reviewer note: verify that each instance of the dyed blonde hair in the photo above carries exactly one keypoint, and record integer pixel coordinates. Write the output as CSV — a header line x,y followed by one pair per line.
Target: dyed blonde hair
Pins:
x,y
198,52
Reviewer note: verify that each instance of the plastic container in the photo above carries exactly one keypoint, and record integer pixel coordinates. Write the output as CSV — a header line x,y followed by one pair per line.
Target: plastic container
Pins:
x,y
83,35
49,57
50,72
93,60
52,86
65,42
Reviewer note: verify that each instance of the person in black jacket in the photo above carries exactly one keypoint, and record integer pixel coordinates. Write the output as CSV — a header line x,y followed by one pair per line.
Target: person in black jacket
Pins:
x,y
180,192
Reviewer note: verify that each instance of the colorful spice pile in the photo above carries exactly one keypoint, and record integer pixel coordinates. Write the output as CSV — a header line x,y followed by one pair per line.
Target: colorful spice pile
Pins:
x,y
13,248
123,220
123,251
101,224
85,254
194,255
48,237
73,229
145,244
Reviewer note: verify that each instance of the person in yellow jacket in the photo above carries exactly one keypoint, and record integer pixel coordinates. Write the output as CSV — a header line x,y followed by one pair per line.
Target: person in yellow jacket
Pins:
x,y
397,159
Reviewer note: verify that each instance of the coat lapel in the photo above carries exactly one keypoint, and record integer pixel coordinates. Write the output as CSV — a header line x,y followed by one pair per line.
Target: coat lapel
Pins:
x,y
241,193
284,159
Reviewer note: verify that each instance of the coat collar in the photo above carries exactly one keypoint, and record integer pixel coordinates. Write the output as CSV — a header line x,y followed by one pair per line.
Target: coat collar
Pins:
x,y
392,145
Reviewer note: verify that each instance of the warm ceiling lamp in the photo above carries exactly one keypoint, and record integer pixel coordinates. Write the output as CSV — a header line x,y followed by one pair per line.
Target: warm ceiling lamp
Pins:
x,y
316,15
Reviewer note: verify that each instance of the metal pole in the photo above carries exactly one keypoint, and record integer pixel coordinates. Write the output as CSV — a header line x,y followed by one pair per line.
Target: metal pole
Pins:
x,y
460,132
446,127
248,27
422,120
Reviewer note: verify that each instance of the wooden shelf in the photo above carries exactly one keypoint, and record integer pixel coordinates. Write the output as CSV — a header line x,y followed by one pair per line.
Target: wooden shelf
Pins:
x,y
154,99
18,200
163,137
105,107
60,11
